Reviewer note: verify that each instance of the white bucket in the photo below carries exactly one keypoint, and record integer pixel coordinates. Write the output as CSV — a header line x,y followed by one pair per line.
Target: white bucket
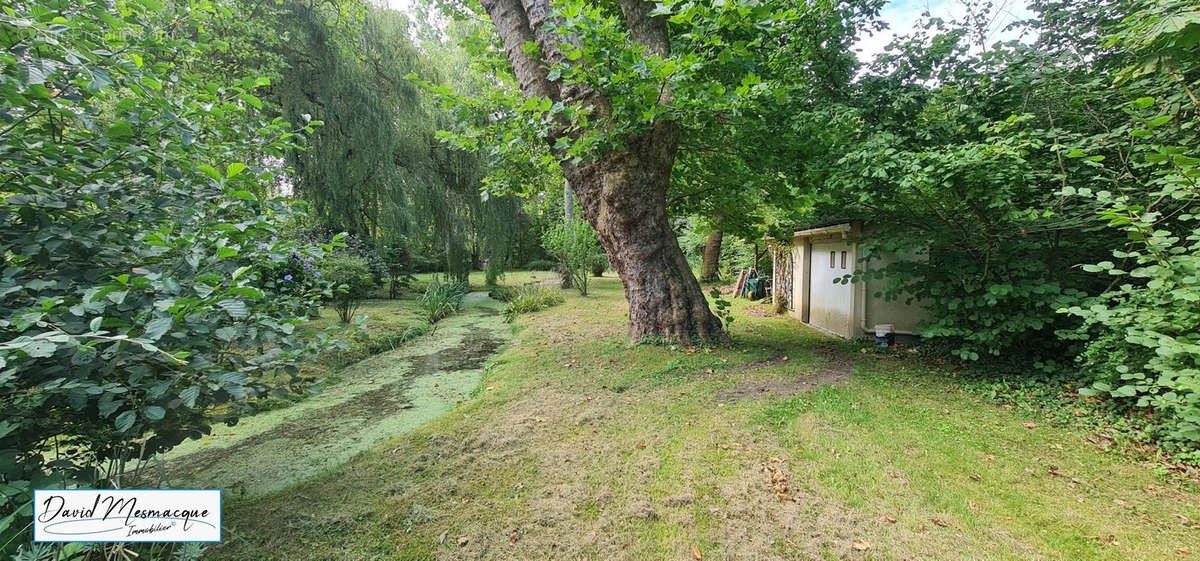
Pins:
x,y
882,329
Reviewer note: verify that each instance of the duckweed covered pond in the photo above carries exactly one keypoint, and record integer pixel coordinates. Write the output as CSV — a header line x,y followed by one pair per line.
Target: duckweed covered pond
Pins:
x,y
378,398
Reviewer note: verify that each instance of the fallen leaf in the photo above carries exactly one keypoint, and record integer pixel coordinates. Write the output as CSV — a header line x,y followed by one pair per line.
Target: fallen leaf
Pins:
x,y
1125,504
696,553
976,477
1183,550
463,541
888,519
861,545
641,446
1031,425
442,538
940,522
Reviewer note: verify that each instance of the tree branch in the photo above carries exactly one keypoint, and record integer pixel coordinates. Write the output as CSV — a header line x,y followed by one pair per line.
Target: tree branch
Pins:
x,y
512,22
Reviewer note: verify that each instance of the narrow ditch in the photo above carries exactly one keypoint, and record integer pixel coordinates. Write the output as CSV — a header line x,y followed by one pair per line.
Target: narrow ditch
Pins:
x,y
378,398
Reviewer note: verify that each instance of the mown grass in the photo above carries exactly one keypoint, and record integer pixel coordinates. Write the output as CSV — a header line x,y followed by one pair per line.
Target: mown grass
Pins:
x,y
580,446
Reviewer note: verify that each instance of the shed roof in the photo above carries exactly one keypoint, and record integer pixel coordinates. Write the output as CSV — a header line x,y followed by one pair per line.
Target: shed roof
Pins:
x,y
842,226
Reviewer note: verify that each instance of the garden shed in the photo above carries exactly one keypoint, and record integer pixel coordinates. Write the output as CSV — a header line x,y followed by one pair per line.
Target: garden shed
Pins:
x,y
805,268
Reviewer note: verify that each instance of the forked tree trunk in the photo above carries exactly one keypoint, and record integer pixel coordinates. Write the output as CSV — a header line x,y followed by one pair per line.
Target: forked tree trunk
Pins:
x,y
623,193
712,257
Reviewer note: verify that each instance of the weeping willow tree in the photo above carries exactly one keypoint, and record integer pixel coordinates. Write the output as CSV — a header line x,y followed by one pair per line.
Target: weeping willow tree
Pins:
x,y
376,168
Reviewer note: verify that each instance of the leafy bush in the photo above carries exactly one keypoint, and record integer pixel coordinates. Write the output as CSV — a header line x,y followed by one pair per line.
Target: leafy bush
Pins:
x,y
380,261
442,299
398,263
352,282
1048,230
138,298
502,293
532,298
990,277
541,265
574,244
1144,334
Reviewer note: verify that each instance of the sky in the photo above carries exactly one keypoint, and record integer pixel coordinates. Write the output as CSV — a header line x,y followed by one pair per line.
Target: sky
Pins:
x,y
901,17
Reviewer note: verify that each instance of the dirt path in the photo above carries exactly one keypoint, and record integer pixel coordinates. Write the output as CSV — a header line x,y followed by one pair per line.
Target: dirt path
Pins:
x,y
376,399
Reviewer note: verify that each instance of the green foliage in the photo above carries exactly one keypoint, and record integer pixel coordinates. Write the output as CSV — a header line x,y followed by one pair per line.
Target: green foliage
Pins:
x,y
989,269
574,244
532,298
1043,196
397,261
352,282
442,299
502,293
138,297
723,311
1144,347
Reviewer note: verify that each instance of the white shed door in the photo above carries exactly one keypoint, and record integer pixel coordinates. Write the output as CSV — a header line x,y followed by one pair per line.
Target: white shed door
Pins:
x,y
831,306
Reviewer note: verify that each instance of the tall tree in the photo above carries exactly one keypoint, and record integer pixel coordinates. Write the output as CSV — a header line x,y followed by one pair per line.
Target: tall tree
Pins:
x,y
616,88
622,192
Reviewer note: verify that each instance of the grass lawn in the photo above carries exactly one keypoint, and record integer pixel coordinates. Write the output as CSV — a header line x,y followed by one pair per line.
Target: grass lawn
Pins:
x,y
787,445
476,280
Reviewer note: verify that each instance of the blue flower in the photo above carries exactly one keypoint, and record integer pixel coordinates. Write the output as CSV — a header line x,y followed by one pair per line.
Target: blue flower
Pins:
x,y
287,277
274,238
317,274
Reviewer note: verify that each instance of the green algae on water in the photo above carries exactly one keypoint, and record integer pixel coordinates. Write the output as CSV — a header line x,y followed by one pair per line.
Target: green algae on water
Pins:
x,y
376,399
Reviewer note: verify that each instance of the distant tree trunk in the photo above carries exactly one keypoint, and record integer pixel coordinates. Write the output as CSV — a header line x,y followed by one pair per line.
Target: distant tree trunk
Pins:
x,y
564,274
710,270
568,201
622,193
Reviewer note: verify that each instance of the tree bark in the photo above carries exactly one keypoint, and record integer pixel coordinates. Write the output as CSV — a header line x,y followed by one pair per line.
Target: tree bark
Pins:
x,y
709,271
623,193
623,196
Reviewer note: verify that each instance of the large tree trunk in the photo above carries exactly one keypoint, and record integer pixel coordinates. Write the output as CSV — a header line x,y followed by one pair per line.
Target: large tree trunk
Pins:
x,y
712,257
623,196
623,193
